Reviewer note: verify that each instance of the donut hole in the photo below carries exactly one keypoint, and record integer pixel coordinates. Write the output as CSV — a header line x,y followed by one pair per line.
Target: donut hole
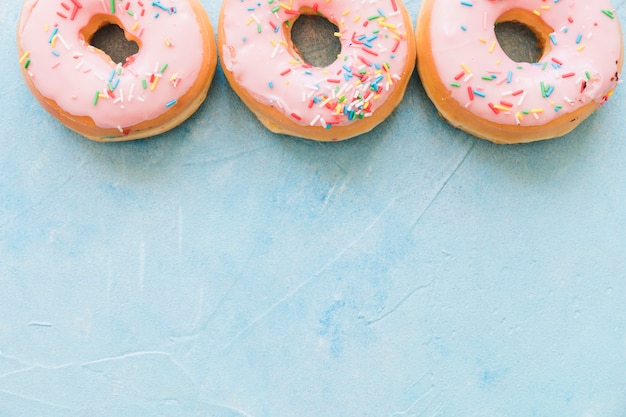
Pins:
x,y
112,40
523,36
314,40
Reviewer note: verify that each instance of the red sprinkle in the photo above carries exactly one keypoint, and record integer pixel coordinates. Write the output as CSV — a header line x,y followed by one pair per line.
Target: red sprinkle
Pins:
x,y
295,116
517,92
369,51
557,61
459,75
569,74
491,106
395,45
285,72
470,93
506,103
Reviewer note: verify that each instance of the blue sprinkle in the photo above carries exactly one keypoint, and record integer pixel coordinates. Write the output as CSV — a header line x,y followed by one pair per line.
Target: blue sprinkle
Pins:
x,y
54,32
553,39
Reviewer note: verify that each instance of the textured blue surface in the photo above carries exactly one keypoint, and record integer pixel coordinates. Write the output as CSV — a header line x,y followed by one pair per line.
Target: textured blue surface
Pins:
x,y
220,270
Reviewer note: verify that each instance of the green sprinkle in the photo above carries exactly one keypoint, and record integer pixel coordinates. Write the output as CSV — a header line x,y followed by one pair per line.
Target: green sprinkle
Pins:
x,y
112,6
144,84
164,68
609,13
27,64
587,75
455,84
96,97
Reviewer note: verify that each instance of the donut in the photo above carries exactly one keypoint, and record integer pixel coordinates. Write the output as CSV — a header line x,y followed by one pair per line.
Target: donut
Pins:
x,y
476,87
290,96
151,92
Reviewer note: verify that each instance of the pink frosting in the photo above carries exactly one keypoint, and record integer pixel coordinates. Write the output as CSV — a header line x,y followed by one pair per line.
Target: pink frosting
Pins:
x,y
580,66
373,55
66,69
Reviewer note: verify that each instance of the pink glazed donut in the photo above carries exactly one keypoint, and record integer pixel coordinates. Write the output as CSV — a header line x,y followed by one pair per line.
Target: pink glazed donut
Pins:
x,y
478,88
290,96
153,91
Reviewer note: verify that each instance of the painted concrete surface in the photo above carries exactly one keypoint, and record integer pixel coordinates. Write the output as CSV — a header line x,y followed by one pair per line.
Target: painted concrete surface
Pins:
x,y
220,270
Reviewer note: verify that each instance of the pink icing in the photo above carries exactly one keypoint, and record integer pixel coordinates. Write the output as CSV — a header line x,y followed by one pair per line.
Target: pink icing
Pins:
x,y
373,55
581,65
70,71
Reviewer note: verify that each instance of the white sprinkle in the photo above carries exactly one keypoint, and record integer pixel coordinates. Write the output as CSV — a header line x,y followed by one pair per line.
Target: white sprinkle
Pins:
x,y
63,41
275,50
315,120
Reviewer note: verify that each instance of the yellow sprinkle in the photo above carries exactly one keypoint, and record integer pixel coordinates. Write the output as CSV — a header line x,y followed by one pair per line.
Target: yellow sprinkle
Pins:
x,y
154,83
580,48
283,42
501,107
610,93
498,62
284,6
482,40
519,115
337,35
273,42
346,12
356,19
46,27
385,24
492,47
24,57
135,26
536,110
249,21
537,12
54,41
545,7
467,70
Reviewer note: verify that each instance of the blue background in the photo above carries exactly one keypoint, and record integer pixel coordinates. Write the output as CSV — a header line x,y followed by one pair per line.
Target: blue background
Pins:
x,y
221,270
